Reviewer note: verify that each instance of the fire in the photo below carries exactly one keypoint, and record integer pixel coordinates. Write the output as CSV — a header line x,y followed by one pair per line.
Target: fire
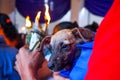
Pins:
x,y
47,15
28,23
37,18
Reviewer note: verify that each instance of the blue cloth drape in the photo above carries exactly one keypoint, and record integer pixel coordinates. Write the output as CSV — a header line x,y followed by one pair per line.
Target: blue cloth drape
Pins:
x,y
98,7
58,8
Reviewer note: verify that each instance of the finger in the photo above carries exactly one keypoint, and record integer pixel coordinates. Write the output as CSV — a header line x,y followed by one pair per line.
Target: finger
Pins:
x,y
17,56
26,46
18,66
24,50
36,53
15,67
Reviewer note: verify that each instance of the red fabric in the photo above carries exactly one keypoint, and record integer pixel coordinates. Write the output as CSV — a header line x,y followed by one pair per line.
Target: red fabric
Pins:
x,y
104,62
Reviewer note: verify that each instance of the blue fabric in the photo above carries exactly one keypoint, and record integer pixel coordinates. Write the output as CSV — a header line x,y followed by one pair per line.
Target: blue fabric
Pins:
x,y
58,8
98,7
80,67
65,73
79,70
7,60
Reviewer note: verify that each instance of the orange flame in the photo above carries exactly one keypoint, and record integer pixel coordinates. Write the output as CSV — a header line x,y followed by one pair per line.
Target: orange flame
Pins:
x,y
37,18
28,23
47,15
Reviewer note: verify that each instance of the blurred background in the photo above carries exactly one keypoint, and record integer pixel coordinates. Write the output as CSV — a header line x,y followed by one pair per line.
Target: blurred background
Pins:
x,y
13,9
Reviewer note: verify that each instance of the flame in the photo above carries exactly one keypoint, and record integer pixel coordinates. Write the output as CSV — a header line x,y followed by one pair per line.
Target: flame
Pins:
x,y
28,23
47,15
37,18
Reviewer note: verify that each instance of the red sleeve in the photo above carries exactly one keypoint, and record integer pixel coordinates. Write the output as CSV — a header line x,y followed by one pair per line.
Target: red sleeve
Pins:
x,y
104,63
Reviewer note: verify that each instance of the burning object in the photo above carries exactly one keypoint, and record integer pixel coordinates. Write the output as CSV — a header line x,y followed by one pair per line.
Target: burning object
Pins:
x,y
38,32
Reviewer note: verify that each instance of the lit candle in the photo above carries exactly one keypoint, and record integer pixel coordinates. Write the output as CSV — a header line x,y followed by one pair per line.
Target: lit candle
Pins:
x,y
28,23
28,28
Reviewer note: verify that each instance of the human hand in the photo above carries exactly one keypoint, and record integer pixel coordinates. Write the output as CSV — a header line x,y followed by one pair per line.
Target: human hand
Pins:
x,y
28,63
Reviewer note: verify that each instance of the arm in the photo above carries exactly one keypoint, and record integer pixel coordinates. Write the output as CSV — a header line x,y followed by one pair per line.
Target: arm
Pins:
x,y
76,6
